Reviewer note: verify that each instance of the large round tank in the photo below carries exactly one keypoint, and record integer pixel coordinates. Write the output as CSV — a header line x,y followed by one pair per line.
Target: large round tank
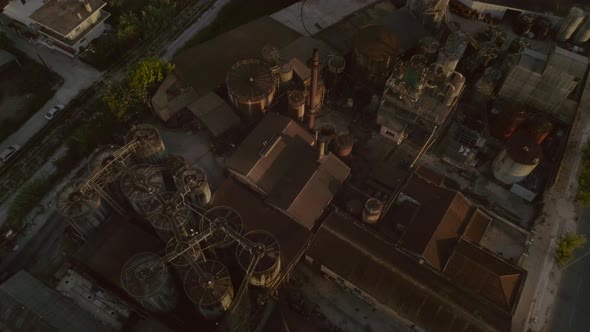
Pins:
x,y
180,262
375,49
82,206
508,121
450,55
538,127
268,266
583,33
296,105
372,211
210,289
193,180
165,211
110,179
336,66
428,47
148,280
286,72
221,215
570,24
515,162
151,148
251,87
343,145
140,184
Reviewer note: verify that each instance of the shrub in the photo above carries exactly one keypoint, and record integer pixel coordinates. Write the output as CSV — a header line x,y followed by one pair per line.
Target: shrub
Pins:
x,y
568,243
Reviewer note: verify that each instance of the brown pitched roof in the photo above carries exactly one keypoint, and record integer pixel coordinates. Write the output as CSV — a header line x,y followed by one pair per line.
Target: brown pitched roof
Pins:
x,y
477,226
305,195
270,150
64,16
393,279
437,226
481,271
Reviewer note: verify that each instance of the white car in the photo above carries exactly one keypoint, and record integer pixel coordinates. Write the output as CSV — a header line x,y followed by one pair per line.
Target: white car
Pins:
x,y
9,152
53,111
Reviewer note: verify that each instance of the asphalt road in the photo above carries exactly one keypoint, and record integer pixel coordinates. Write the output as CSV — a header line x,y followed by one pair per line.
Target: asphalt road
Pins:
x,y
571,305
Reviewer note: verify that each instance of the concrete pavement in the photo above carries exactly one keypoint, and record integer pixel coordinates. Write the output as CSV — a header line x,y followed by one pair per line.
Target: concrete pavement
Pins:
x,y
77,77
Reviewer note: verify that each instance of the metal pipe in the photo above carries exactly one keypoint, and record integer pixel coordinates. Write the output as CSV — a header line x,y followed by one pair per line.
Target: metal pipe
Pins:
x,y
315,72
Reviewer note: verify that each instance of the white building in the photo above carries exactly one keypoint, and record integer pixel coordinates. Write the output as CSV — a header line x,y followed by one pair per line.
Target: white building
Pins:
x,y
65,25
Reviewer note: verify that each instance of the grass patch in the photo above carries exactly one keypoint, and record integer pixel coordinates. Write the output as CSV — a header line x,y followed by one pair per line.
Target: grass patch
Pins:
x,y
236,13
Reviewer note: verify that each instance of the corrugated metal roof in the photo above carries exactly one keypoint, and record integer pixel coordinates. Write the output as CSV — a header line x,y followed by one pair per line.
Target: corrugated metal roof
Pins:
x,y
492,277
396,281
53,308
569,62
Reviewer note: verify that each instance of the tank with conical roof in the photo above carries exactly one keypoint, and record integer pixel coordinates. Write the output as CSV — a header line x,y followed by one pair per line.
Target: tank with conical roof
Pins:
x,y
149,281
251,86
193,181
210,288
82,206
140,184
517,160
166,211
375,49
150,148
265,255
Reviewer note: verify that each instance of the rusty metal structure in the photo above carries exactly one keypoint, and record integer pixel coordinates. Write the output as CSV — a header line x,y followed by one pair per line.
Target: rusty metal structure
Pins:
x,y
508,121
343,145
251,86
313,93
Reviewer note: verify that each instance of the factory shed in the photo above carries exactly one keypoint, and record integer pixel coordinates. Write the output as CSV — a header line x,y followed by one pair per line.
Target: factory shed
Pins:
x,y
392,281
24,297
206,65
269,151
486,274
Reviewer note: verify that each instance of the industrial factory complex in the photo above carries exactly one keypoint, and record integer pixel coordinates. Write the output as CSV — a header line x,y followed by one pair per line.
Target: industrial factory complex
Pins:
x,y
405,154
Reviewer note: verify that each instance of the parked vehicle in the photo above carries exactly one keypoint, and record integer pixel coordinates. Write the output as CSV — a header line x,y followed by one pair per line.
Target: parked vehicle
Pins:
x,y
54,111
9,152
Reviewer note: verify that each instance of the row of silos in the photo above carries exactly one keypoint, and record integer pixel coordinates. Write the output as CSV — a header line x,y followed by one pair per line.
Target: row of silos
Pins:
x,y
576,27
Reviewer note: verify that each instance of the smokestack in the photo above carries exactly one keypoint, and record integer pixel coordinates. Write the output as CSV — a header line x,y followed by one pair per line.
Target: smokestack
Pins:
x,y
315,73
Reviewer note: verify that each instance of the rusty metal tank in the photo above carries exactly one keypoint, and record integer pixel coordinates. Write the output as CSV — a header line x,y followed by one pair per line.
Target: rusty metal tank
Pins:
x,y
375,49
193,181
297,105
140,185
517,160
372,211
336,66
538,127
508,121
267,268
210,288
343,145
251,86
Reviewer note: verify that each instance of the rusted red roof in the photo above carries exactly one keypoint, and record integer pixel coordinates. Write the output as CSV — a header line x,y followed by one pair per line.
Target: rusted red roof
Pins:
x,y
477,226
487,274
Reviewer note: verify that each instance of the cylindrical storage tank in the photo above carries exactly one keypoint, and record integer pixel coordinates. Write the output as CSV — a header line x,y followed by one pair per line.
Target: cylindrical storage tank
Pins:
x,y
372,211
210,289
251,88
140,184
450,55
286,72
221,215
428,47
111,178
336,65
181,262
375,49
147,279
570,24
268,267
167,210
538,128
515,162
151,148
82,206
193,180
297,105
343,145
583,33
508,121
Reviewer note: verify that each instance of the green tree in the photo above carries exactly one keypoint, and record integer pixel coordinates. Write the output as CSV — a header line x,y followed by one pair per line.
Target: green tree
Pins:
x,y
147,74
567,244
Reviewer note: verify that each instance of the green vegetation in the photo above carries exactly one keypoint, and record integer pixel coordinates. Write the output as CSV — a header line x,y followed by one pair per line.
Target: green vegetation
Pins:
x,y
25,87
132,21
26,200
568,243
236,13
584,179
129,99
